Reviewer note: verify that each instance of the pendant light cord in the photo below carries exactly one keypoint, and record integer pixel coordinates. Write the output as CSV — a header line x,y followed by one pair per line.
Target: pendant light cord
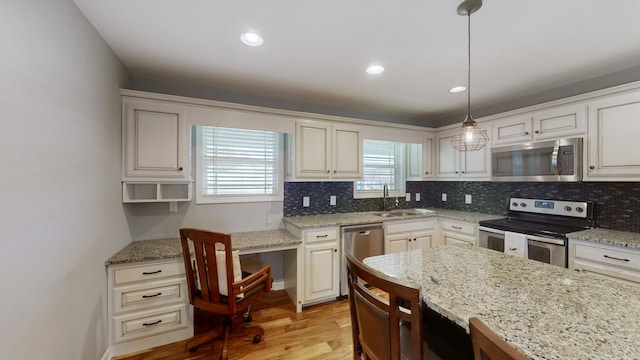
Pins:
x,y
469,64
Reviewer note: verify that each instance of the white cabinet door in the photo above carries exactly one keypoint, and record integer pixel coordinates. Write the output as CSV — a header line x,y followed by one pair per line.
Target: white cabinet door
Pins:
x,y
155,141
612,139
461,165
326,151
347,153
422,240
398,243
559,122
512,130
420,159
321,271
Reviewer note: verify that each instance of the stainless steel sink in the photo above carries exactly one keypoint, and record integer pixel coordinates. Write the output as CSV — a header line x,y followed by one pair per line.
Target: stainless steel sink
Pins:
x,y
404,212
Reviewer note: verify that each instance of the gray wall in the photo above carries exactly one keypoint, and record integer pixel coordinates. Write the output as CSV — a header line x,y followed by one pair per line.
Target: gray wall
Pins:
x,y
61,214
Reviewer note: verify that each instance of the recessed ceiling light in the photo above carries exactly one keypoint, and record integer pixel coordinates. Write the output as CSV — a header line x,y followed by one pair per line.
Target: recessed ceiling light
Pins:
x,y
457,89
375,69
251,39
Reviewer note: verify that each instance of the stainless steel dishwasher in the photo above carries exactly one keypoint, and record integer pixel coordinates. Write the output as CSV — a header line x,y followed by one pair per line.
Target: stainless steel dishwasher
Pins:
x,y
362,241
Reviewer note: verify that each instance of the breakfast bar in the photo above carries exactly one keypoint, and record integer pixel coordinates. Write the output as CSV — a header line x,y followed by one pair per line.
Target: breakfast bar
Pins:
x,y
544,311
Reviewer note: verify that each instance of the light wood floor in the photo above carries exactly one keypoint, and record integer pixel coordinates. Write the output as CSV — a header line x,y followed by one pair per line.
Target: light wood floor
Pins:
x,y
319,332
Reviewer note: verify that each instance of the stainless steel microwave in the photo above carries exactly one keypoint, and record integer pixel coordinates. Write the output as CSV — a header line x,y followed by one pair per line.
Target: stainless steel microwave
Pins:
x,y
557,160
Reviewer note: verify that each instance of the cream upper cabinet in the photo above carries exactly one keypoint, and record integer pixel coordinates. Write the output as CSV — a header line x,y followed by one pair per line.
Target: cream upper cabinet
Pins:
x,y
325,150
461,165
155,141
546,124
420,159
612,150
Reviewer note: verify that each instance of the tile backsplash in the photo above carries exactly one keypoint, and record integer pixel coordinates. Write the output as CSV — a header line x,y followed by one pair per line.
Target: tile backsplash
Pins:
x,y
617,205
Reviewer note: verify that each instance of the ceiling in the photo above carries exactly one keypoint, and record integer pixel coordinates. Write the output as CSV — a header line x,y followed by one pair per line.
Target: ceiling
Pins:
x,y
315,52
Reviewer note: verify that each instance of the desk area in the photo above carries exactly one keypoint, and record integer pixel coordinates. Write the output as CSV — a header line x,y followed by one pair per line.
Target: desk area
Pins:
x,y
546,312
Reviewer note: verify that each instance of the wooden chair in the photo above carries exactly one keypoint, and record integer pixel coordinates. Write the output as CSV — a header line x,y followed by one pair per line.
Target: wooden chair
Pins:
x,y
206,280
488,345
383,329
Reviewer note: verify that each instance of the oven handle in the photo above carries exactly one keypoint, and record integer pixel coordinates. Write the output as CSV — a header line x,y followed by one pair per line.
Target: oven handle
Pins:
x,y
545,240
490,230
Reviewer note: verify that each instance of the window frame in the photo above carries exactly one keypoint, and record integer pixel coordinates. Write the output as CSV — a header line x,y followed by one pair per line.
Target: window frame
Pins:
x,y
202,198
400,168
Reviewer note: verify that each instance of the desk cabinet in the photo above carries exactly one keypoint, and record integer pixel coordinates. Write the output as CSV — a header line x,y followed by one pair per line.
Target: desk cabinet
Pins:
x,y
148,305
616,262
321,264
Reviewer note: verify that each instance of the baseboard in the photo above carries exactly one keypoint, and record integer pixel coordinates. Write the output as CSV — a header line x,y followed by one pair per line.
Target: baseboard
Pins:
x,y
106,355
277,285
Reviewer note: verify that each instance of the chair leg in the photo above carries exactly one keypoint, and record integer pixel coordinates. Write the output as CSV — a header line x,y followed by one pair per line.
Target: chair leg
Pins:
x,y
225,345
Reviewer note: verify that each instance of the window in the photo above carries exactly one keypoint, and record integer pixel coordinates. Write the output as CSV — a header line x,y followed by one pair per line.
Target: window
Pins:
x,y
383,163
237,165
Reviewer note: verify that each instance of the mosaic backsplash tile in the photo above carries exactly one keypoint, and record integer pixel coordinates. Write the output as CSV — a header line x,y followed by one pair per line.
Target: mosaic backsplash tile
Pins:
x,y
617,205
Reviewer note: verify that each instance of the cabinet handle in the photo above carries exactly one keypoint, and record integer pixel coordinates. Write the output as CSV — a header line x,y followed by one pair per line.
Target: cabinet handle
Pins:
x,y
615,258
456,227
151,272
150,296
592,167
153,323
513,249
322,236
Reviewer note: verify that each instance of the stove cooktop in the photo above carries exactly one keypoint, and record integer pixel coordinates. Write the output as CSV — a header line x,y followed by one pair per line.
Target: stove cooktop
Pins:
x,y
532,227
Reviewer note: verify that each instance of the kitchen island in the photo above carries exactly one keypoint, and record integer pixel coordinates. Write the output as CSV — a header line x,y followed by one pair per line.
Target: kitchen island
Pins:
x,y
544,311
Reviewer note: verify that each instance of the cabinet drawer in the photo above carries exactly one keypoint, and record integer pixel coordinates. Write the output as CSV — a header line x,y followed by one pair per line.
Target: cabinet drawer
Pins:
x,y
460,227
403,227
147,272
132,297
321,235
608,255
146,323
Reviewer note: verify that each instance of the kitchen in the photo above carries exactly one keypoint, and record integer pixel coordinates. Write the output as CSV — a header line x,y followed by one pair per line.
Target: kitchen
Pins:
x,y
67,110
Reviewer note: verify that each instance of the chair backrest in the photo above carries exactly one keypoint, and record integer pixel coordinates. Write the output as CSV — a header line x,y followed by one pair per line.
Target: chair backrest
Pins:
x,y
488,345
376,322
202,269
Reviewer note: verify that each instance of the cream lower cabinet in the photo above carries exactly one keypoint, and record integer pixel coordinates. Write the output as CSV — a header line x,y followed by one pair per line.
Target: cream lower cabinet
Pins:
x,y
615,262
458,232
612,141
321,264
148,305
402,235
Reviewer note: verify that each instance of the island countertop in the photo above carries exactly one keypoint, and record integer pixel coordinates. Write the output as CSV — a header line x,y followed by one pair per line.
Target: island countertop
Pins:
x,y
544,311
151,250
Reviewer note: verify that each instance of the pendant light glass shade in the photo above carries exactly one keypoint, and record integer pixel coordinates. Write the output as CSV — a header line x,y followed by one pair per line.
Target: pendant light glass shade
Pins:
x,y
469,137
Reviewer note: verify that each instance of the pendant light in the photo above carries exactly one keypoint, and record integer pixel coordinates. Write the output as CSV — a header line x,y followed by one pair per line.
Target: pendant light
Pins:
x,y
469,137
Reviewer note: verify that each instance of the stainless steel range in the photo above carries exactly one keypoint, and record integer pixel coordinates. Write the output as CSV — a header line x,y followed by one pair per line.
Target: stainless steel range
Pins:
x,y
537,229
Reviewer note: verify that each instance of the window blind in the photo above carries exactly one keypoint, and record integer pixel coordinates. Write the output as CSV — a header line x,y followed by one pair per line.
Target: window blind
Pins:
x,y
382,164
238,162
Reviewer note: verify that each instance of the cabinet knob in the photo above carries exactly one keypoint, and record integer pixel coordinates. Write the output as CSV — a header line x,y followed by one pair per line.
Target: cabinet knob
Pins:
x,y
537,131
328,171
592,167
335,171
463,172
456,172
335,250
426,173
526,133
180,168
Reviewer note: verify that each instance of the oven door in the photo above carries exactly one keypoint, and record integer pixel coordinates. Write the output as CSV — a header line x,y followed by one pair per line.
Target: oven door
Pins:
x,y
546,250
491,238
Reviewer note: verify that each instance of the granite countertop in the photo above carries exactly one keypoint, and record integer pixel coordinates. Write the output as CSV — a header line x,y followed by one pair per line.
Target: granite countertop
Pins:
x,y
609,237
152,250
546,312
367,217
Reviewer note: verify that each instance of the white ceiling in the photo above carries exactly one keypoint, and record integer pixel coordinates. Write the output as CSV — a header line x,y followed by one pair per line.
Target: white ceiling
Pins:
x,y
315,52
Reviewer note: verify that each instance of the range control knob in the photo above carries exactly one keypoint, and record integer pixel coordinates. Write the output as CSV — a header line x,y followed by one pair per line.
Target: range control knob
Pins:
x,y
523,204
567,208
579,209
514,204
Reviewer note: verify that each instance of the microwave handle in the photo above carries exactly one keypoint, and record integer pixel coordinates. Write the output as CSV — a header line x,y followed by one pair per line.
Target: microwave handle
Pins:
x,y
554,159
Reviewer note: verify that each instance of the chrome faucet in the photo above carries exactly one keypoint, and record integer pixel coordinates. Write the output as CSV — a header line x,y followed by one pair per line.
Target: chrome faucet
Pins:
x,y
385,195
